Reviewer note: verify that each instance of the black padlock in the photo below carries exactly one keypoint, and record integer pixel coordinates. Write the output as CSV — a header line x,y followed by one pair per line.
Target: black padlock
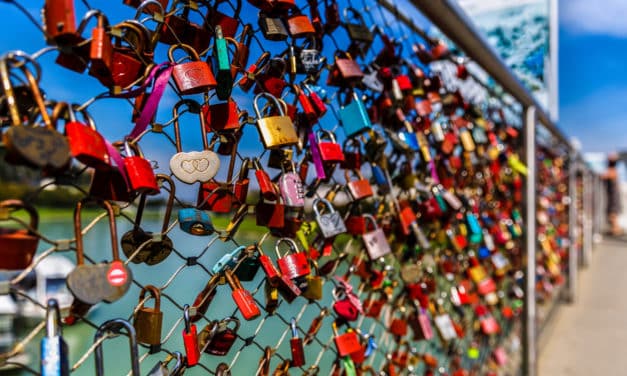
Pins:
x,y
272,28
54,351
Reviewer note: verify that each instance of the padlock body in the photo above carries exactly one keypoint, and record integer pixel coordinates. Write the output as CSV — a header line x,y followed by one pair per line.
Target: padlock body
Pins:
x,y
190,342
87,145
314,288
246,303
141,175
347,343
193,77
277,132
298,352
376,244
148,323
294,265
17,248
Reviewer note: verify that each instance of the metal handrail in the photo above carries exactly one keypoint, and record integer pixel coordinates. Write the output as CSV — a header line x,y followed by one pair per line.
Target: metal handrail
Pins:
x,y
447,16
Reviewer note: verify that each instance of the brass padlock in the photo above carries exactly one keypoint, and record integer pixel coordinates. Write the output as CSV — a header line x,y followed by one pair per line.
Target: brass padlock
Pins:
x,y
148,321
314,283
275,131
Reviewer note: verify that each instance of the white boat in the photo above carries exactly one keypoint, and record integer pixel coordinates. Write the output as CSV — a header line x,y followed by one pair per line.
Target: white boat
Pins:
x,y
50,275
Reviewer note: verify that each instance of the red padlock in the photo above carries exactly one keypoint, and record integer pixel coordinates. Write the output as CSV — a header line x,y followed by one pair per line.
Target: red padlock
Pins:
x,y
242,297
227,21
352,154
193,77
267,188
270,214
330,150
60,21
141,176
190,340
356,225
217,337
224,116
347,343
293,264
318,104
86,144
17,247
296,347
360,188
272,273
398,327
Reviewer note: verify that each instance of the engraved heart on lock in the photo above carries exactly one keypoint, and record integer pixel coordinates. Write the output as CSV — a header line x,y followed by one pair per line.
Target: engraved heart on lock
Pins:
x,y
193,166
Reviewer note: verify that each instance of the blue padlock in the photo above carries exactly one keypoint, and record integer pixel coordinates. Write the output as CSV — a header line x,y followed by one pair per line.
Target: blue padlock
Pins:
x,y
229,259
354,117
475,228
195,222
54,350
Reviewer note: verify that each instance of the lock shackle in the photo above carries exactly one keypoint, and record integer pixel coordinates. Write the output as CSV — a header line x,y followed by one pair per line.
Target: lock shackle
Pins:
x,y
154,292
102,20
186,319
32,212
291,244
272,100
13,61
7,86
231,279
53,318
119,31
179,362
223,138
370,218
354,172
60,109
160,11
294,327
194,108
226,321
223,370
322,134
160,178
218,267
324,202
192,54
80,256
115,326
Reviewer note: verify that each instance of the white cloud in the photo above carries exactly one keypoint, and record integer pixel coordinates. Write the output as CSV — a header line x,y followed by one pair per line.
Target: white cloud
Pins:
x,y
599,17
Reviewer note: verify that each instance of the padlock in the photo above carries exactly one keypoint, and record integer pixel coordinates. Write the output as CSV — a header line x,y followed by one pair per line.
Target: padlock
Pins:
x,y
247,264
293,264
354,117
240,188
296,347
308,58
129,61
275,131
158,245
266,186
292,189
157,13
242,297
115,326
195,166
331,223
161,368
148,321
150,8
222,66
270,214
330,150
27,145
190,339
101,48
272,273
177,28
205,297
344,306
228,22
375,241
227,260
314,283
345,71
272,28
360,188
347,343
398,326
373,306
94,283
217,337
193,77
487,322
54,349
358,32
225,116
271,293
139,172
18,246
299,25
195,222
86,144
60,22
420,324
271,79
316,101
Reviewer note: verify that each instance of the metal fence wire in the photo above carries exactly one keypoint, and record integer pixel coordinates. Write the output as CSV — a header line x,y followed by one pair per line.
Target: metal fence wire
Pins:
x,y
444,295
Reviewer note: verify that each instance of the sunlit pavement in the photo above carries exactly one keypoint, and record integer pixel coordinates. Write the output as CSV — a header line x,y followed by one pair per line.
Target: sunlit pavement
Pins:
x,y
589,337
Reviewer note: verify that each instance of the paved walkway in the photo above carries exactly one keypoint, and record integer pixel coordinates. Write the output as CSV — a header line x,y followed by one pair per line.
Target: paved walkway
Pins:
x,y
590,337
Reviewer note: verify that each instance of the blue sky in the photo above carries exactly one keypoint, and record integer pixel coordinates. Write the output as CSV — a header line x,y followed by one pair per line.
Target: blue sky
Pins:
x,y
593,74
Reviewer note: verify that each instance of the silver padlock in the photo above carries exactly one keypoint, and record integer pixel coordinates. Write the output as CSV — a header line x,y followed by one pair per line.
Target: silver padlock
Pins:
x,y
375,241
331,223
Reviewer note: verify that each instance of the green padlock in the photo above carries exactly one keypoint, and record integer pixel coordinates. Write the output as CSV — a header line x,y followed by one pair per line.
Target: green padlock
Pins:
x,y
222,67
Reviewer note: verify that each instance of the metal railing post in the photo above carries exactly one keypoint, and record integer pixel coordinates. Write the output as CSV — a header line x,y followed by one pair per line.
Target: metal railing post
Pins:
x,y
529,340
587,216
573,252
